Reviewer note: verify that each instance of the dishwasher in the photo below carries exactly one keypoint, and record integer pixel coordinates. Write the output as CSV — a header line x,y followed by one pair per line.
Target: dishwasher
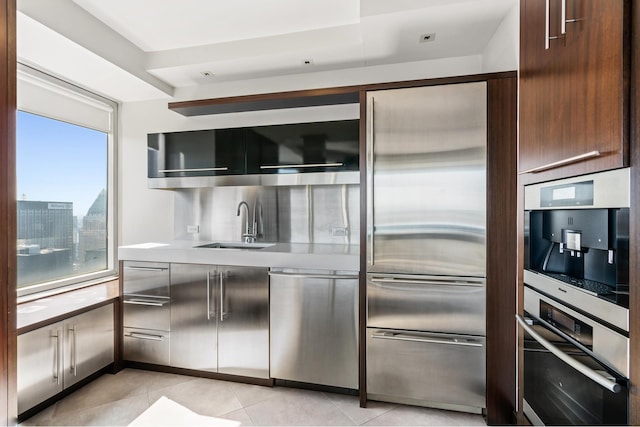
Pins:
x,y
314,326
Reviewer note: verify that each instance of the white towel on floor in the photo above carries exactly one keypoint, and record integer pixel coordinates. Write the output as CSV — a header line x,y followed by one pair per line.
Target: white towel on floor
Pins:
x,y
166,412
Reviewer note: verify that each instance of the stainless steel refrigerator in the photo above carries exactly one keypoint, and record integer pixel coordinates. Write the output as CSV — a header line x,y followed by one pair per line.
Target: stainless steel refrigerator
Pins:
x,y
426,245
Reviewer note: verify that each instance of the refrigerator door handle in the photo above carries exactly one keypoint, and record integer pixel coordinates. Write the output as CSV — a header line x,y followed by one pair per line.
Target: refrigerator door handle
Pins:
x,y
428,340
370,170
429,281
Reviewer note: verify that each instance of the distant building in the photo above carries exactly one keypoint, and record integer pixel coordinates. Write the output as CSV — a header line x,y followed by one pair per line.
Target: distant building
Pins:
x,y
45,241
92,239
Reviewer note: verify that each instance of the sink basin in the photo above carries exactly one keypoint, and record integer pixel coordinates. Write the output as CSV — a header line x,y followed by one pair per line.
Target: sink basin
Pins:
x,y
238,245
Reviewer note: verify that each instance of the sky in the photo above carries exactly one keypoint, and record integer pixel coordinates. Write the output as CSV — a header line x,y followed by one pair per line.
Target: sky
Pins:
x,y
60,162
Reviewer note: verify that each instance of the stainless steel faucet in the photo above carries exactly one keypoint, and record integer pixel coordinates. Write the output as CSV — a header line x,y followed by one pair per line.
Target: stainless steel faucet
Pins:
x,y
247,236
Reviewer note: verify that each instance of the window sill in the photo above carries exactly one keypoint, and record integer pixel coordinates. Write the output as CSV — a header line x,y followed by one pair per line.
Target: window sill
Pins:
x,y
52,306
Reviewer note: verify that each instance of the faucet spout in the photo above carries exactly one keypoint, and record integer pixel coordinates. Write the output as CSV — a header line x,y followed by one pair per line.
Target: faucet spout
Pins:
x,y
247,236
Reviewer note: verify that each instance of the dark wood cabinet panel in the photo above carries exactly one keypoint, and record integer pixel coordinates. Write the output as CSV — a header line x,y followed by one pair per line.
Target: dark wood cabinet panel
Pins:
x,y
573,94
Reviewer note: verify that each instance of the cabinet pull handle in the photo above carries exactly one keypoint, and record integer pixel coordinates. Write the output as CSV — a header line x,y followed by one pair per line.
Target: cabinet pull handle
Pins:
x,y
583,369
208,296
563,162
222,313
56,357
302,165
194,170
157,269
370,166
547,24
314,276
143,302
566,21
146,336
413,338
74,351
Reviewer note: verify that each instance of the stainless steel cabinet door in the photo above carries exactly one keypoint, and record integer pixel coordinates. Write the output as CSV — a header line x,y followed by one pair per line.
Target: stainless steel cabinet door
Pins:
x,y
426,174
193,317
427,368
314,327
89,343
426,303
243,321
40,368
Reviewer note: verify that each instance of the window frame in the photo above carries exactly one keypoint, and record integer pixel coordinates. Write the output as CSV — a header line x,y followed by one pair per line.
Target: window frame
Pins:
x,y
111,272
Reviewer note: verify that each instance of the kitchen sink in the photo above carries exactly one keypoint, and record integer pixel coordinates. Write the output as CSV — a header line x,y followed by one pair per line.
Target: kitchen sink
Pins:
x,y
238,245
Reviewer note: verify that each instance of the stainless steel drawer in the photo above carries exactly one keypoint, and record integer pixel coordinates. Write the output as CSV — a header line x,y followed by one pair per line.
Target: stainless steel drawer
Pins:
x,y
149,346
426,368
426,303
145,312
146,278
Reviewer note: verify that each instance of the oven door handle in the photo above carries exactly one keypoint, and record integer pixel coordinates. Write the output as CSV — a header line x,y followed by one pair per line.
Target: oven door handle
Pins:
x,y
584,370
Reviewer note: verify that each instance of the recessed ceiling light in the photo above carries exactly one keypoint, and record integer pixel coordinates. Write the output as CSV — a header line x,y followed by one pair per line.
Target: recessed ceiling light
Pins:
x,y
429,37
308,61
206,74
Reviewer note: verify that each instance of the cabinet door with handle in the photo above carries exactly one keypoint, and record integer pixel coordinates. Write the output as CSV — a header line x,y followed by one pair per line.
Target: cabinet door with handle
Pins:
x,y
196,153
194,297
40,371
573,91
243,321
88,343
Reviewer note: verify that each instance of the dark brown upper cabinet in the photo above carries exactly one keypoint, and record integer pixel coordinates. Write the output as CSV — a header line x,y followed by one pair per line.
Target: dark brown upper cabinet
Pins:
x,y
574,93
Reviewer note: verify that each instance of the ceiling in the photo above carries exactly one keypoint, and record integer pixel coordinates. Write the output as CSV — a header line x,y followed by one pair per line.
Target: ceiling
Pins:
x,y
168,44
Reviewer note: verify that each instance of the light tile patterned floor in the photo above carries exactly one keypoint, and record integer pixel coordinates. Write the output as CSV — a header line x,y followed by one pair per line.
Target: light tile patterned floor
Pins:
x,y
116,400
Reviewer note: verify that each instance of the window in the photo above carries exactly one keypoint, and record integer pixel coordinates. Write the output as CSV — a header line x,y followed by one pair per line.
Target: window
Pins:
x,y
65,184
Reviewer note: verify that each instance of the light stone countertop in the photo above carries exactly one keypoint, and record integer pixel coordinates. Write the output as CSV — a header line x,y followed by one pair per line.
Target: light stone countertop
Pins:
x,y
288,255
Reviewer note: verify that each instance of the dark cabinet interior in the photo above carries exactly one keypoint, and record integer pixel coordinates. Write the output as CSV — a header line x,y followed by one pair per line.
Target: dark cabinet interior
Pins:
x,y
291,148
573,87
303,147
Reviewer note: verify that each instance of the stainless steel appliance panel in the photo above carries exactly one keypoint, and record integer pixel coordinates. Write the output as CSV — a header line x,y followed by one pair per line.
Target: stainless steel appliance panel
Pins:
x,y
607,344
243,321
148,346
426,173
146,278
426,368
194,314
89,344
40,370
564,385
426,303
314,327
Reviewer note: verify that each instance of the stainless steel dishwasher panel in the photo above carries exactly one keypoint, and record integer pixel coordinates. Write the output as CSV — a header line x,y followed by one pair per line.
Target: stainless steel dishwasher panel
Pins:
x,y
314,327
426,368
148,346
243,321
426,303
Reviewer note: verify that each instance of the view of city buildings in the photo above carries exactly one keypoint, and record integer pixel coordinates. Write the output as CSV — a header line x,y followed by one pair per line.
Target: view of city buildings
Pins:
x,y
53,244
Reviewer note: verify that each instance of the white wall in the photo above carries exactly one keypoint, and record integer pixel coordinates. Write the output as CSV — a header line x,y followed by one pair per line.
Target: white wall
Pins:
x,y
503,50
147,214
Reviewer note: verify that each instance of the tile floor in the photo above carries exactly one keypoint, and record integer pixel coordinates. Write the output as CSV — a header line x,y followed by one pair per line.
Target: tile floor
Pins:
x,y
116,400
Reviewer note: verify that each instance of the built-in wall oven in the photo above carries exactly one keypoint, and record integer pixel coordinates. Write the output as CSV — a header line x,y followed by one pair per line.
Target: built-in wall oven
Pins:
x,y
575,323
